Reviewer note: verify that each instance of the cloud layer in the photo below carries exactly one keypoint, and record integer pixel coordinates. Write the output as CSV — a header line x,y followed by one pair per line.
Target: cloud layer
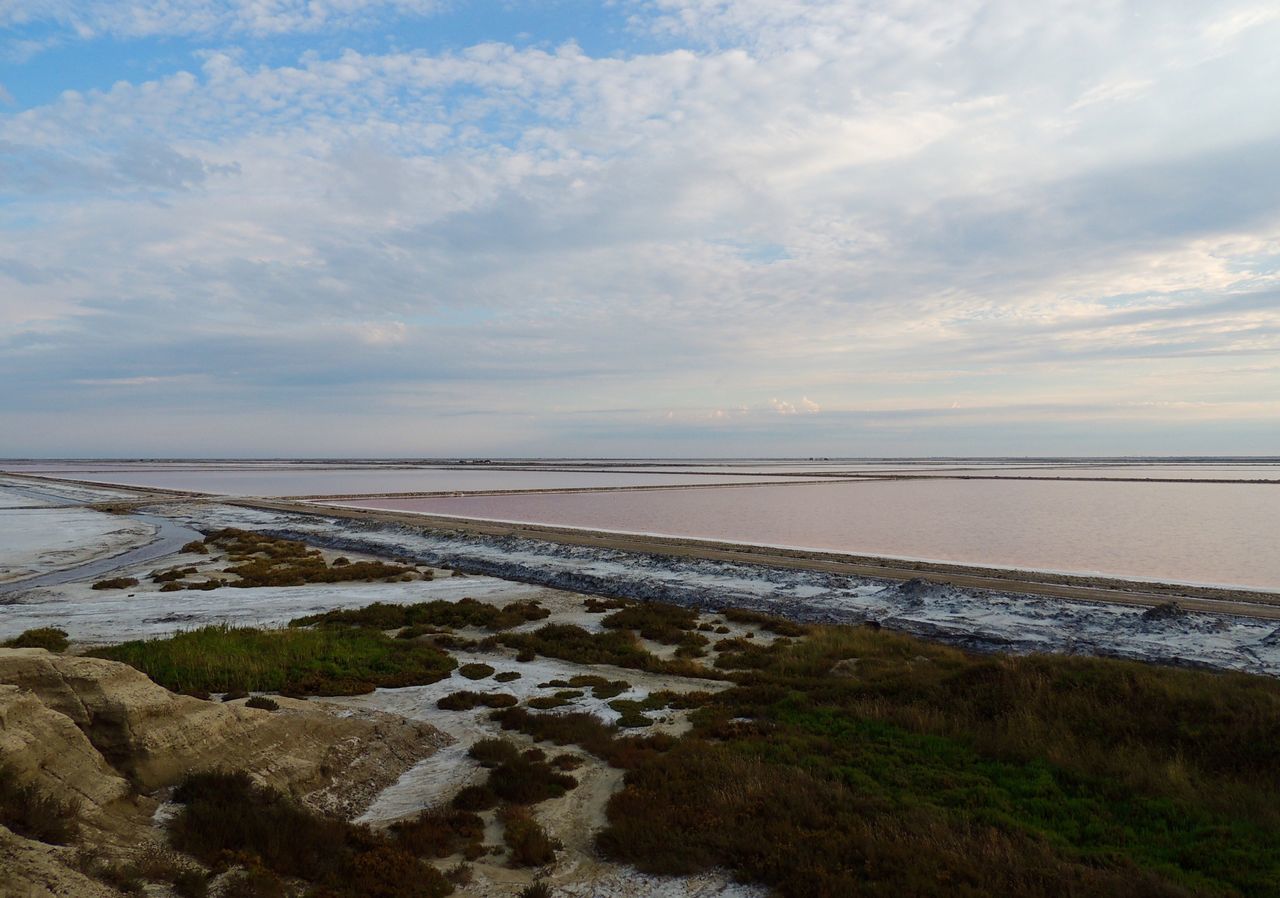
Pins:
x,y
752,227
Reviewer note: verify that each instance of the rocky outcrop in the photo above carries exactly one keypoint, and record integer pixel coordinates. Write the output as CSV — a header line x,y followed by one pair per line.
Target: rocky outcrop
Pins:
x,y
152,737
47,748
102,736
32,870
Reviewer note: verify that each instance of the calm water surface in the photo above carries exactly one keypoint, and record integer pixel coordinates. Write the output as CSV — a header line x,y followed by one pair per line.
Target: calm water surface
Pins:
x,y
1198,533
249,480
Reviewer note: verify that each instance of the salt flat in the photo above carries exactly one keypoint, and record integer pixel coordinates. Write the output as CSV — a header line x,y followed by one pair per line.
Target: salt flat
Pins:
x,y
37,536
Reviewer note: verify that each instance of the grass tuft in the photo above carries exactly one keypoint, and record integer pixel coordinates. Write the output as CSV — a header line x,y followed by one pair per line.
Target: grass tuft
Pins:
x,y
50,638
223,658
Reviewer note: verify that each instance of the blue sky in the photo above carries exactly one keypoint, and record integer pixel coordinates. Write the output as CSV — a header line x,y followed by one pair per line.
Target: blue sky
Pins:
x,y
677,227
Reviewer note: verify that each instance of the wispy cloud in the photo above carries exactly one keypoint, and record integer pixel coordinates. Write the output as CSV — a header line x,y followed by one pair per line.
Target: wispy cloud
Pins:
x,y
800,223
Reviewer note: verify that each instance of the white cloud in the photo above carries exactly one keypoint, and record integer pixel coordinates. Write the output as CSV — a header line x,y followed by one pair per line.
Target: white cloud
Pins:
x,y
887,206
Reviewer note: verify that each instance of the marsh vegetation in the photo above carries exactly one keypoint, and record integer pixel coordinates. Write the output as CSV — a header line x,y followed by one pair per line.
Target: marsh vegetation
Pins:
x,y
343,661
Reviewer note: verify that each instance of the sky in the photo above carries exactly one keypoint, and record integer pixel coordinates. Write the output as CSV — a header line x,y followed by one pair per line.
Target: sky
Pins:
x,y
694,228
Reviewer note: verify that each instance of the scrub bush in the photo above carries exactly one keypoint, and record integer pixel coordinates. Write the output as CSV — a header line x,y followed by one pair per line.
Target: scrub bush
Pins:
x,y
49,638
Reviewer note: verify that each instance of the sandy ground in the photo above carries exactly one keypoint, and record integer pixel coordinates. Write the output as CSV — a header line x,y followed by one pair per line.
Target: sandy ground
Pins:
x,y
573,819
37,537
95,616
91,616
557,575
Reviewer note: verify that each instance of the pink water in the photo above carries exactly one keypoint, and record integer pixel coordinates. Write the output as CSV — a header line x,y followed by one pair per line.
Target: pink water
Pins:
x,y
1192,532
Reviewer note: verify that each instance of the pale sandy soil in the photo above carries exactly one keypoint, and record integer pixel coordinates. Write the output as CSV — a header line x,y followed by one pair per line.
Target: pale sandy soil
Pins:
x,y
94,616
573,819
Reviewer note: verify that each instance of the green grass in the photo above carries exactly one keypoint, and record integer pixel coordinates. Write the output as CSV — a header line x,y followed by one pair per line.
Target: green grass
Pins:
x,y
294,661
863,762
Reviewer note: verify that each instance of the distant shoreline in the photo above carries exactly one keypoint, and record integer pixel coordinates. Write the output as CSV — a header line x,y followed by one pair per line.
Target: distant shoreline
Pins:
x,y
1239,601
1213,599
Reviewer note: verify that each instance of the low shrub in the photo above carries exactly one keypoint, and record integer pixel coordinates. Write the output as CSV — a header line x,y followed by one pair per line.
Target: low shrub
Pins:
x,y
121,876
493,752
33,814
254,883
507,676
771,622
116,583
586,731
549,702
529,844
226,816
474,798
449,641
195,547
261,560
658,621
466,701
223,658
600,606
601,687
50,638
463,613
528,779
475,671
191,884
172,574
617,647
173,586
932,772
262,703
439,832
157,864
538,889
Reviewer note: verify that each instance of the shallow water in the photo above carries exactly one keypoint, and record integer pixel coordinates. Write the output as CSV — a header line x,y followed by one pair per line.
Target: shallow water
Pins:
x,y
1221,533
168,538
1186,532
278,481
